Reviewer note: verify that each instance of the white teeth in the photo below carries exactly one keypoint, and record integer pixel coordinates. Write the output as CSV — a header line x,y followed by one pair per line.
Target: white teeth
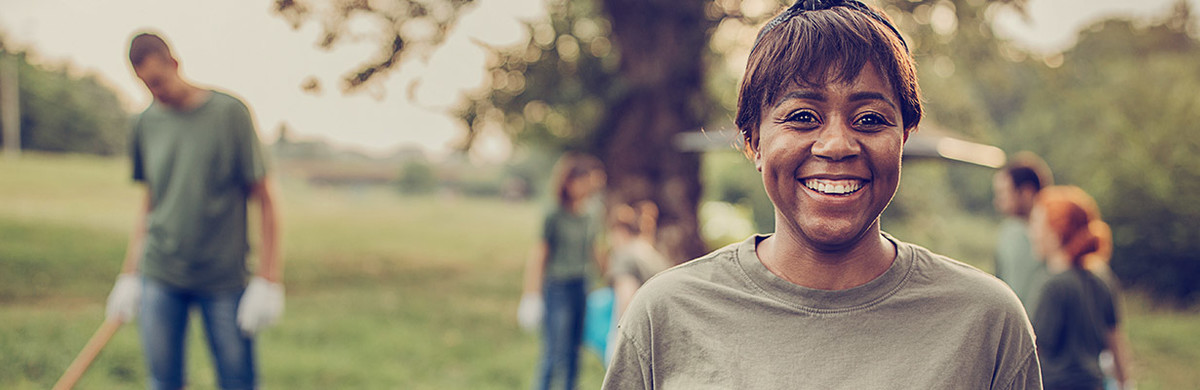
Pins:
x,y
835,187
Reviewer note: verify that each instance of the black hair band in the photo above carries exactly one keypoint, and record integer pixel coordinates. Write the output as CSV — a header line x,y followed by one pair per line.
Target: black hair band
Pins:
x,y
817,5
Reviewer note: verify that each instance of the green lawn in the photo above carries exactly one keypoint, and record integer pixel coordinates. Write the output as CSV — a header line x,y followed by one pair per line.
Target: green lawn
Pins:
x,y
383,291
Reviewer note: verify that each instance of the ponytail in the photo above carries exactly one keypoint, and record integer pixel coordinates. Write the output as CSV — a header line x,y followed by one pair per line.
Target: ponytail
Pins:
x,y
1086,243
1072,215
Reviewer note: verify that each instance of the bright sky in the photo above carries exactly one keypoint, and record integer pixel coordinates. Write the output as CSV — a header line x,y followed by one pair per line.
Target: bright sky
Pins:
x,y
241,47
1053,24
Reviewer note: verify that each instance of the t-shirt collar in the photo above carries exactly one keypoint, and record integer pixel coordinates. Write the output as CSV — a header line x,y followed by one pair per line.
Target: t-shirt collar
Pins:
x,y
826,301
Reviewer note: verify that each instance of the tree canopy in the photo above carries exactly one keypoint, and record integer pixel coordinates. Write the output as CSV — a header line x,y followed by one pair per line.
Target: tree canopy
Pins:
x,y
1115,114
65,112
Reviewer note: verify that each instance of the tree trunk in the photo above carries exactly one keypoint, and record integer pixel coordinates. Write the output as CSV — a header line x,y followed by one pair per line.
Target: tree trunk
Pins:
x,y
662,46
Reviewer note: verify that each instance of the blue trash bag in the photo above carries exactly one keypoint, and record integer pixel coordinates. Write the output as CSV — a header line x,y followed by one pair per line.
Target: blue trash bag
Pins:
x,y
597,322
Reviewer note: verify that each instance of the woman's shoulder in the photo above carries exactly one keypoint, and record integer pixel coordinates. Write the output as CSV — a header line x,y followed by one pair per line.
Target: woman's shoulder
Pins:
x,y
944,275
700,274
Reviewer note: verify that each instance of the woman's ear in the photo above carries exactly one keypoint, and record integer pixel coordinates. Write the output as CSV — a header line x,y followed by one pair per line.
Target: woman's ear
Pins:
x,y
750,150
758,164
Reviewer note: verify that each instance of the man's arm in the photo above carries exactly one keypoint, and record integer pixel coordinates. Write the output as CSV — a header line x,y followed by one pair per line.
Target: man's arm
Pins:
x,y
133,253
270,265
123,301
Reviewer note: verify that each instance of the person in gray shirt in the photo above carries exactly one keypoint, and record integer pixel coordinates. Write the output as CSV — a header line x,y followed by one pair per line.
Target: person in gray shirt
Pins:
x,y
828,301
1014,187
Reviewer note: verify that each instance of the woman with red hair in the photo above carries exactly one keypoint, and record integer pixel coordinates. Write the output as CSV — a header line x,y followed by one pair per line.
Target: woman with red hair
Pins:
x,y
1075,317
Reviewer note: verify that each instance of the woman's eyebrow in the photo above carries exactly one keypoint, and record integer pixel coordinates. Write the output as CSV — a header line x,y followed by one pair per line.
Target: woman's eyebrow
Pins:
x,y
858,96
803,95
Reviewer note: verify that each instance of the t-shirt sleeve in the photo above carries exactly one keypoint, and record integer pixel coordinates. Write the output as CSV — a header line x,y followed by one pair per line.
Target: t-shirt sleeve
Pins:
x,y
629,369
1047,315
135,149
1108,305
251,166
548,229
1028,376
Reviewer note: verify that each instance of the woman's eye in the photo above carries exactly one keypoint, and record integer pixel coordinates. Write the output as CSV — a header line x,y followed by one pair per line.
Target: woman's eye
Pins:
x,y
803,116
871,121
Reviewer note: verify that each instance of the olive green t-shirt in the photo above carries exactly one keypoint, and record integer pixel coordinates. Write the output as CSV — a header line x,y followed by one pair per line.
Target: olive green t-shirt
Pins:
x,y
199,166
725,321
570,238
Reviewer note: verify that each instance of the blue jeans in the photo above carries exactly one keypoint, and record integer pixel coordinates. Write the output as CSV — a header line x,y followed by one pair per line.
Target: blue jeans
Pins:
x,y
566,303
163,321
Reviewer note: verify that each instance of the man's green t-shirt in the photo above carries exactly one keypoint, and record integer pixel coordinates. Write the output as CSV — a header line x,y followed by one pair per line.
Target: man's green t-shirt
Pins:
x,y
199,166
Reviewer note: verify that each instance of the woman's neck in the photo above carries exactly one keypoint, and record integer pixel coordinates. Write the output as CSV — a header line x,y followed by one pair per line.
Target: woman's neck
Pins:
x,y
810,267
573,206
1058,262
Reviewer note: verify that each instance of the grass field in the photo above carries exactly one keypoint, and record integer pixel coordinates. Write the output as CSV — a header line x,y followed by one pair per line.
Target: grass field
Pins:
x,y
384,292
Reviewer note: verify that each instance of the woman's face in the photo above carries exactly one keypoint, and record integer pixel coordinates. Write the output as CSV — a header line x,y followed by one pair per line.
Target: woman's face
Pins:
x,y
580,187
830,159
1043,238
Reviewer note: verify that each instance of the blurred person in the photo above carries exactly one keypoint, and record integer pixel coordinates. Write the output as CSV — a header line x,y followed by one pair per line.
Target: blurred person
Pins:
x,y
1014,187
198,155
633,258
828,301
557,275
595,205
648,221
1098,264
1076,317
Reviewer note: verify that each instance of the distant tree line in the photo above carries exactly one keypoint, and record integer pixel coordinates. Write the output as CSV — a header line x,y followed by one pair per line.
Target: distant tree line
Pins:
x,y
1120,117
64,112
1118,114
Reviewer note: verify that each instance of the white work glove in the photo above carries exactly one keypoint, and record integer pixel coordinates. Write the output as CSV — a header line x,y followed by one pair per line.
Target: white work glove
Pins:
x,y
124,298
530,312
261,306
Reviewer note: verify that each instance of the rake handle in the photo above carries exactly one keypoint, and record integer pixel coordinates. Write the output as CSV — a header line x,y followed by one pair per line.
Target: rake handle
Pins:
x,y
85,358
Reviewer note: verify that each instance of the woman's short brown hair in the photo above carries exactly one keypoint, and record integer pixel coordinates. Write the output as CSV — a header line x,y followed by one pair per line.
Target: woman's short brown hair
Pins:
x,y
821,46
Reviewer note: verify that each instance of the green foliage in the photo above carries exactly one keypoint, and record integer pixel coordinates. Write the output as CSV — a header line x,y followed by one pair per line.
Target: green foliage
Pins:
x,y
729,177
417,177
556,89
63,112
928,211
1118,119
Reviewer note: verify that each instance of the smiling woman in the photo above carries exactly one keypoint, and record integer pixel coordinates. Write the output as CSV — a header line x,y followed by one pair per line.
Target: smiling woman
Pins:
x,y
828,100
830,158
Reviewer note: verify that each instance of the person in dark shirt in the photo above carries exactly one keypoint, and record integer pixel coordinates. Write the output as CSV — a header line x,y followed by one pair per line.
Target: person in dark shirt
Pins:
x,y
1075,317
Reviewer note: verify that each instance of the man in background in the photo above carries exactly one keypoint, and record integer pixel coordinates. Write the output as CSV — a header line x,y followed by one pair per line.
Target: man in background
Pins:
x,y
198,155
1015,186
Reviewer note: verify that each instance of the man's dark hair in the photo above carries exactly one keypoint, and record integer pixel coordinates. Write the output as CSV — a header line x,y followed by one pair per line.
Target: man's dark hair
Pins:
x,y
145,45
1028,170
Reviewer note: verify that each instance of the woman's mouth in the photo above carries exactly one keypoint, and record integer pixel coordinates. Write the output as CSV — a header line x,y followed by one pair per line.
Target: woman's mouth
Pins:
x,y
834,187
